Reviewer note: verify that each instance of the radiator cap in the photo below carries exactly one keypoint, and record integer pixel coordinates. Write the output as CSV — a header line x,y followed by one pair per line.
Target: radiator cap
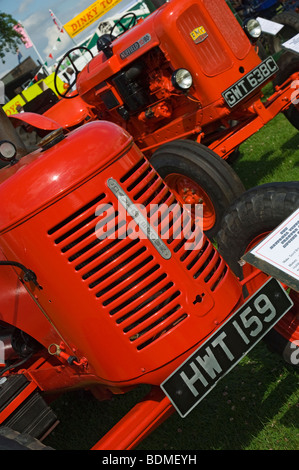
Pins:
x,y
52,139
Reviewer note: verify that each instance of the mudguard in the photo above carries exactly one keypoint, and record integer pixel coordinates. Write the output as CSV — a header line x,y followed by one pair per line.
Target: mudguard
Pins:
x,y
66,114
19,309
35,120
69,113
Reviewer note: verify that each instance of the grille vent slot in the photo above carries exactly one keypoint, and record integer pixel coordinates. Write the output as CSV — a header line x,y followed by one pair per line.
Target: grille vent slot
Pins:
x,y
122,273
204,262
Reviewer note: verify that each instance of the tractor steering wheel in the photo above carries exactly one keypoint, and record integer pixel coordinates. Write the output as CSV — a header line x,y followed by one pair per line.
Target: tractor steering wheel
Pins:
x,y
68,56
132,22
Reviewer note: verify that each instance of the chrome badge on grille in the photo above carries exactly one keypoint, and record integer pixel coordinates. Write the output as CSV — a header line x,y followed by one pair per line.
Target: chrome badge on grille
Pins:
x,y
139,218
199,34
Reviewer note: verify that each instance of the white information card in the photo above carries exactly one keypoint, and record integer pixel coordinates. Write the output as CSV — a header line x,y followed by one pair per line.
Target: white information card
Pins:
x,y
292,44
278,253
269,27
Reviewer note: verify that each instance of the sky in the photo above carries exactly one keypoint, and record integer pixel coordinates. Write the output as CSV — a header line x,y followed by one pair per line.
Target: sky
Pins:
x,y
38,24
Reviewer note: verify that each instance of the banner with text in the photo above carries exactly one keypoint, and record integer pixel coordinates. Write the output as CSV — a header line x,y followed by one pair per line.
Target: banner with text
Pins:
x,y
89,16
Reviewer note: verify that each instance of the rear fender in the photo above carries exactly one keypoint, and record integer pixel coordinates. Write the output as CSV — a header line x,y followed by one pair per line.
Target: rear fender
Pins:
x,y
69,113
35,120
66,114
17,308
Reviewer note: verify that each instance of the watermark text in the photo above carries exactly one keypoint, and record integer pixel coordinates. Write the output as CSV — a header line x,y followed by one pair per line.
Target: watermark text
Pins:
x,y
159,222
2,92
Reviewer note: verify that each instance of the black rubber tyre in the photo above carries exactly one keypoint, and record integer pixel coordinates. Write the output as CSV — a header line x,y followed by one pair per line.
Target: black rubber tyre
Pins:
x,y
262,48
13,440
290,20
213,178
257,212
288,64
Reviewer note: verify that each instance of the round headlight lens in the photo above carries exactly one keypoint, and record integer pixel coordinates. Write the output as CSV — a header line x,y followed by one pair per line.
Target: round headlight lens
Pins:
x,y
254,28
7,150
182,79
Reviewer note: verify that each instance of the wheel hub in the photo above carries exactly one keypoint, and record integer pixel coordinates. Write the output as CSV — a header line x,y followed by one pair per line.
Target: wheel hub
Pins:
x,y
189,192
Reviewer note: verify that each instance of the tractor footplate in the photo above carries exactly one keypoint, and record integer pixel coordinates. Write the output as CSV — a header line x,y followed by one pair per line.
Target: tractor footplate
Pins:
x,y
23,409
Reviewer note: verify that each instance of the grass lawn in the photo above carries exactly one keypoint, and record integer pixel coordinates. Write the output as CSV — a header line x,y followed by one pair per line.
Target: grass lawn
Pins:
x,y
256,406
272,154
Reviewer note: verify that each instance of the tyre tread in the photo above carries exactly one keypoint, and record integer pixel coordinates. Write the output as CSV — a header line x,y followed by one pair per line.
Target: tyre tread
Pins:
x,y
203,165
259,210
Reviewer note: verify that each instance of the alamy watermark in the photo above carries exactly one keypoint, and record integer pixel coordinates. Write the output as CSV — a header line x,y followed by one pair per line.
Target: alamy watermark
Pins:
x,y
2,92
294,357
2,353
159,223
295,94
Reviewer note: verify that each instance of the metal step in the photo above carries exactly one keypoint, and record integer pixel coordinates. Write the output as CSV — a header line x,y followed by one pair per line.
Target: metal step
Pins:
x,y
23,409
10,388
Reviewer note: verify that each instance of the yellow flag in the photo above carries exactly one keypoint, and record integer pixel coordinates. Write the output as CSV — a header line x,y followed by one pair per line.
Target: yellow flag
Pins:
x,y
88,16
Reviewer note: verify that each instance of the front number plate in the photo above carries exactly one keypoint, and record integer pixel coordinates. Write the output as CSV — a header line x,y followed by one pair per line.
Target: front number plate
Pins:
x,y
250,82
199,374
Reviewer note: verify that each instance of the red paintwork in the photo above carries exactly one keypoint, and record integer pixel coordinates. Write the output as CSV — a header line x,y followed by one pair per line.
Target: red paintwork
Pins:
x,y
16,307
57,185
51,173
115,346
127,314
214,65
222,59
70,112
187,191
66,113
34,120
87,307
170,29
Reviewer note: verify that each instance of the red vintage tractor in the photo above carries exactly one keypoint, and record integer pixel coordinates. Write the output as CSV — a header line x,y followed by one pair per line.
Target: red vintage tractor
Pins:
x,y
187,74
105,289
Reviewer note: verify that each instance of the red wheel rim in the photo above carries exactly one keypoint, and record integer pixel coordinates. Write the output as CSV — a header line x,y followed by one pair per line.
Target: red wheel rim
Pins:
x,y
189,192
288,326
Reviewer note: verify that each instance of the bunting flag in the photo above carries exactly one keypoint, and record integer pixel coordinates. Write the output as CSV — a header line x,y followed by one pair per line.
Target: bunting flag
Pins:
x,y
54,48
24,36
55,21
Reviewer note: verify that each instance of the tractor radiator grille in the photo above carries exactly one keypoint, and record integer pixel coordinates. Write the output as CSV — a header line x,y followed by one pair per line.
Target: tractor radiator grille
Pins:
x,y
209,54
205,262
121,272
229,28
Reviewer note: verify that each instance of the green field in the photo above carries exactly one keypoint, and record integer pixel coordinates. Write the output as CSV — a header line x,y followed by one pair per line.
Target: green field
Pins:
x,y
272,154
255,407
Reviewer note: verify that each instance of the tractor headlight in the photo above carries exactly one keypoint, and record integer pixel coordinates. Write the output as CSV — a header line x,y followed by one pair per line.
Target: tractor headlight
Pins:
x,y
7,151
182,79
253,29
